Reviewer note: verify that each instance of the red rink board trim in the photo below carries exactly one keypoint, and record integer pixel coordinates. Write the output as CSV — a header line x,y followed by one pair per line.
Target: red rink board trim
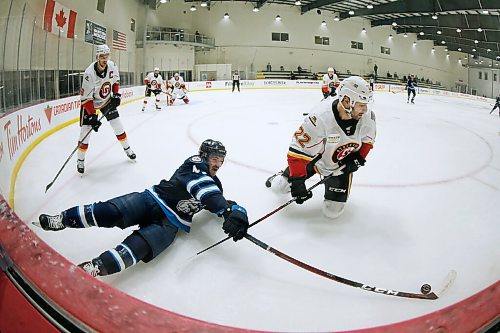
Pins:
x,y
105,309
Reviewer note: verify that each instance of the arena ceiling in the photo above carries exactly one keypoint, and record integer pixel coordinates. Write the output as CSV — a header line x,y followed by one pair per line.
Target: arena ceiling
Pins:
x,y
469,26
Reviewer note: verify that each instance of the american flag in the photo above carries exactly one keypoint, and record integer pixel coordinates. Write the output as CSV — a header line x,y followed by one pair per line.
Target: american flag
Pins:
x,y
119,40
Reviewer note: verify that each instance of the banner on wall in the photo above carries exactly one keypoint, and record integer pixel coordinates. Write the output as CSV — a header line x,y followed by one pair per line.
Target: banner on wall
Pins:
x,y
94,33
59,19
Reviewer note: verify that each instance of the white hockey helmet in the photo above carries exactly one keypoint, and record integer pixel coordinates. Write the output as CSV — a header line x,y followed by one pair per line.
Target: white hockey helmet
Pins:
x,y
157,69
357,89
330,69
176,74
101,49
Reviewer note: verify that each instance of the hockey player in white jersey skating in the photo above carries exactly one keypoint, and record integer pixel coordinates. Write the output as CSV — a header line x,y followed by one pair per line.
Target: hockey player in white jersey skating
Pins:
x,y
154,83
100,86
335,138
330,83
178,89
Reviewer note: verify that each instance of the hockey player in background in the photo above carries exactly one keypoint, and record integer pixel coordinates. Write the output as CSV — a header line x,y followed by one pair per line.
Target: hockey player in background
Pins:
x,y
411,87
154,83
100,86
178,89
497,105
236,80
330,83
335,138
158,211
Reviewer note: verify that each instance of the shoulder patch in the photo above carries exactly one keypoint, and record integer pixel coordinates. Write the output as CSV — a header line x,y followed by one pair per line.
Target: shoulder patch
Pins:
x,y
372,115
195,159
313,120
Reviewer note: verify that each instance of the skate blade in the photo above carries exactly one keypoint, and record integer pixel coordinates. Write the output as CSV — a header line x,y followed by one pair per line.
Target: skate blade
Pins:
x,y
37,224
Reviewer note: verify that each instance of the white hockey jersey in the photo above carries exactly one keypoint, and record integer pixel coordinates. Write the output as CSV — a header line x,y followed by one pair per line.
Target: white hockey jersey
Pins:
x,y
236,77
330,82
156,82
321,133
177,86
97,87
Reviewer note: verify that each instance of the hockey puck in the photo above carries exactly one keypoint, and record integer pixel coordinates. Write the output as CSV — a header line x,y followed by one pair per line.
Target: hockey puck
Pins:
x,y
305,114
425,289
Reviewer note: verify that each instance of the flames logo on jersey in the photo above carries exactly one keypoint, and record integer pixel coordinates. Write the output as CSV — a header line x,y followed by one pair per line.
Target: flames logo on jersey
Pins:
x,y
331,84
177,84
344,150
190,206
105,90
153,83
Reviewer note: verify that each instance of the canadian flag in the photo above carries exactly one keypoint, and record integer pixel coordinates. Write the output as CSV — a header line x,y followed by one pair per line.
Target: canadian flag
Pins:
x,y
58,18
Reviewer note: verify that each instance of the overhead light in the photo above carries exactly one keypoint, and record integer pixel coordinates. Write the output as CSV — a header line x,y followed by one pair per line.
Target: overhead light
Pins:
x,y
489,65
432,50
443,42
446,50
439,32
459,30
485,11
298,3
226,15
193,8
277,18
479,29
351,12
163,1
336,19
459,49
498,57
488,50
476,41
390,36
323,23
394,24
421,33
434,17
447,54
475,62
255,9
473,50
203,4
405,35
369,6
363,30
414,43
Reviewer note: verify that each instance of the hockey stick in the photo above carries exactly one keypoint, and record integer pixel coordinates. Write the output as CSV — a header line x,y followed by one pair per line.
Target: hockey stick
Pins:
x,y
390,292
336,173
72,153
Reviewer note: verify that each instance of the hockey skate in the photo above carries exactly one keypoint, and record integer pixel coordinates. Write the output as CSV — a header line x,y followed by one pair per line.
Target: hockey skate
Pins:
x,y
80,166
158,108
333,209
412,102
50,222
269,180
130,153
94,267
279,183
143,109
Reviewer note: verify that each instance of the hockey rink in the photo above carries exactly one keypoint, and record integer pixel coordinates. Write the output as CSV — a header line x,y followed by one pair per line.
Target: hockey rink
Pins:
x,y
425,202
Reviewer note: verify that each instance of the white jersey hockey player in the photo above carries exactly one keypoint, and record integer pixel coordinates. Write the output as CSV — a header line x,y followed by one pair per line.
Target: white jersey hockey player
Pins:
x,y
178,88
154,83
335,139
330,83
100,86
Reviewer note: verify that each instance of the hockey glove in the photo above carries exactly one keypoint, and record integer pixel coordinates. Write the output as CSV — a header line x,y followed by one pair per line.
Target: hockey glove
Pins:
x,y
94,122
352,162
298,189
333,91
149,86
235,222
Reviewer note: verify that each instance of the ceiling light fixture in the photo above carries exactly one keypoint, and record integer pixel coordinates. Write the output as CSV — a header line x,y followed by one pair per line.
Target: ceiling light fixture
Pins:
x,y
363,30
394,24
336,19
488,50
414,43
434,16
476,41
193,8
226,15
278,18
323,23
421,33
459,30
298,3
443,42
473,50
446,50
163,1
255,9
351,12
432,50
485,11
390,36
459,49
369,6
479,29
439,32
203,4
405,35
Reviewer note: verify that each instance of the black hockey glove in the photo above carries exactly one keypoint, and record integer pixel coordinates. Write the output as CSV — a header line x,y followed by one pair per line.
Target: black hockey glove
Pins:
x,y
115,101
235,222
352,162
298,189
149,86
325,95
333,91
94,122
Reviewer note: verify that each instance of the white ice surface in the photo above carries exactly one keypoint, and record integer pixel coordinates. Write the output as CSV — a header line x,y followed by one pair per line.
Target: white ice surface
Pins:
x,y
425,202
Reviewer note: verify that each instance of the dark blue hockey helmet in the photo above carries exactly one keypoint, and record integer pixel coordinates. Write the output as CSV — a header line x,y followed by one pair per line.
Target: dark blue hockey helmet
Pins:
x,y
212,147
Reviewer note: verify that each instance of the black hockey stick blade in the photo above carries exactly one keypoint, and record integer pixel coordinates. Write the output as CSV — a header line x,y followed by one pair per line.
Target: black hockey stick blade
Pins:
x,y
390,292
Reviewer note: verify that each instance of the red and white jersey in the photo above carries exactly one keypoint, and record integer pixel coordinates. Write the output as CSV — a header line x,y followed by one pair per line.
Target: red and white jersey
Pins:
x,y
330,81
97,87
178,86
320,133
155,81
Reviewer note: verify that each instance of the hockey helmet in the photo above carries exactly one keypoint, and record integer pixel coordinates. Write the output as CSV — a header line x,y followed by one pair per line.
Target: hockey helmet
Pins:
x,y
330,69
357,89
101,49
176,75
157,69
212,147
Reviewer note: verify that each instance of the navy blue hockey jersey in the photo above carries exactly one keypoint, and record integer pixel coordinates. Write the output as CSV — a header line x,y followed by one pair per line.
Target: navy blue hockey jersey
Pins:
x,y
189,190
